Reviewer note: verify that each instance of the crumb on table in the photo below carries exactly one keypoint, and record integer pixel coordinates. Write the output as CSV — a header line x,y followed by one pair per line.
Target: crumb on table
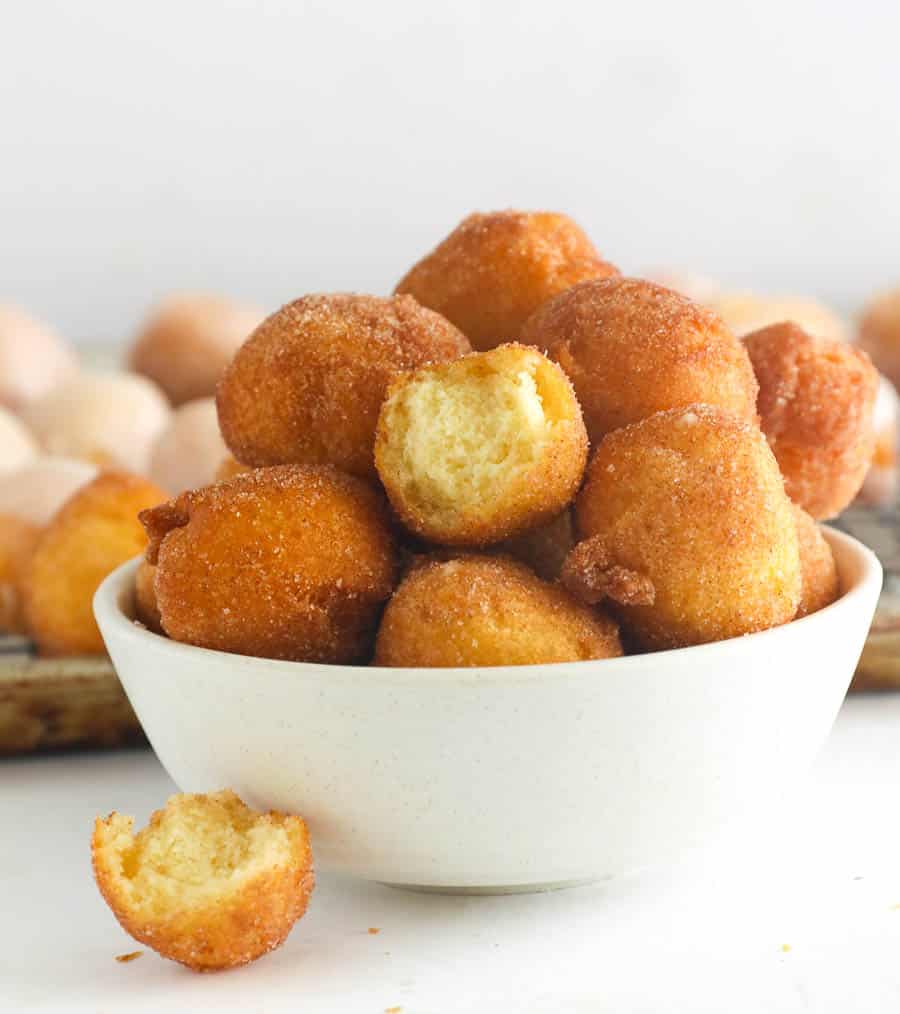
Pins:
x,y
373,930
130,956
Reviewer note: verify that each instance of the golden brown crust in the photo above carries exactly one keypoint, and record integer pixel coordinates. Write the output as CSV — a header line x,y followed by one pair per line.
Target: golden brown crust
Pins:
x,y
244,921
820,584
189,340
307,386
290,562
486,611
591,575
690,501
18,539
816,399
93,533
632,348
504,489
146,607
496,269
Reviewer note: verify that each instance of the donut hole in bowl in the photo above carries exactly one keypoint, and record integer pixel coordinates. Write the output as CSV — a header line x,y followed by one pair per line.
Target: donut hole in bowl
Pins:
x,y
469,437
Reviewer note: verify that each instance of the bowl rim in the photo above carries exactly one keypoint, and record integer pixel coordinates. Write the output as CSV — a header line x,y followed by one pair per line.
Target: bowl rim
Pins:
x,y
109,612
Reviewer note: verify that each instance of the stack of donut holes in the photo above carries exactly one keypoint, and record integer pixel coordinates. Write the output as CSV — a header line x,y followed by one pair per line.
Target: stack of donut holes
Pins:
x,y
519,457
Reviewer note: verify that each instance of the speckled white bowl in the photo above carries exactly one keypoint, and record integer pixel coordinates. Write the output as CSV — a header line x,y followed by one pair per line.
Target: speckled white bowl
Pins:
x,y
507,778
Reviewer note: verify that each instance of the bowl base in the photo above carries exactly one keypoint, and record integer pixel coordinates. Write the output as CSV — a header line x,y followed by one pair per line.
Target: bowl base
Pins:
x,y
476,889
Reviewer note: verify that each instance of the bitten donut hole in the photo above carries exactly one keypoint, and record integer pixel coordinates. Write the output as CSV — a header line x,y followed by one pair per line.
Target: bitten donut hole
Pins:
x,y
209,882
478,425
200,848
481,449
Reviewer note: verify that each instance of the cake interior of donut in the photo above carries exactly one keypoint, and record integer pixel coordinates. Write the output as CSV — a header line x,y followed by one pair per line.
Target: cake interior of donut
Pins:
x,y
197,848
472,425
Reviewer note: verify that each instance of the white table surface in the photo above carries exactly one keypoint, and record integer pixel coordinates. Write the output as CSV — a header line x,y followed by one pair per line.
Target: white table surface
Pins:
x,y
804,915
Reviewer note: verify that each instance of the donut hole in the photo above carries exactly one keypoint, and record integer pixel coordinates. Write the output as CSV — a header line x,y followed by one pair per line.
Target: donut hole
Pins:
x,y
199,848
480,423
478,610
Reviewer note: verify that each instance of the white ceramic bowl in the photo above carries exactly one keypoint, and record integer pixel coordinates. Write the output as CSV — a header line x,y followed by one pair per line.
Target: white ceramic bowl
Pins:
x,y
505,778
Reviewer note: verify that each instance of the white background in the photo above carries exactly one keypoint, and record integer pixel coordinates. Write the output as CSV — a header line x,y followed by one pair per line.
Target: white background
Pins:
x,y
269,148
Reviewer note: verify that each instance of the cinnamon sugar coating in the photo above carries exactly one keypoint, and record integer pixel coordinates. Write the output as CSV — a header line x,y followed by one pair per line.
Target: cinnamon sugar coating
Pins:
x,y
591,573
816,401
307,385
488,610
632,348
291,562
494,270
690,534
